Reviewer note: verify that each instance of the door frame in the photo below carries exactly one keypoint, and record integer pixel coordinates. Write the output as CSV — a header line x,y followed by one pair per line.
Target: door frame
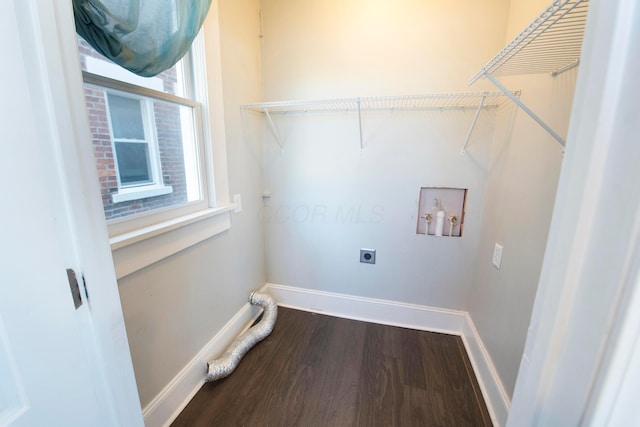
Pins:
x,y
583,332
47,34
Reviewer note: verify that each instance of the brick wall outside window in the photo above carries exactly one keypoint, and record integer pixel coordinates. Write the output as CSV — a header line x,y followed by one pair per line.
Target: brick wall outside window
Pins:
x,y
169,139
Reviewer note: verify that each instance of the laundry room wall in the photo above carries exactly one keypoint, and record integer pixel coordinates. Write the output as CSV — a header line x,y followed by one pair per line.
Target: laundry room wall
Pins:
x,y
328,198
174,307
520,194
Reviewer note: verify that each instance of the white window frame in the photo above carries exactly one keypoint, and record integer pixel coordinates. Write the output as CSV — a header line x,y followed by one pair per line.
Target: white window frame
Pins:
x,y
136,191
141,240
135,222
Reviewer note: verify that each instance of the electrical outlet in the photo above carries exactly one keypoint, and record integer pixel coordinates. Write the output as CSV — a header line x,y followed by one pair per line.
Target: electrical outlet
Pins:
x,y
497,256
368,256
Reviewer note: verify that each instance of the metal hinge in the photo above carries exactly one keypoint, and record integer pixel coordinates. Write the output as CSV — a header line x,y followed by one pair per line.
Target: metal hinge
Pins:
x,y
75,287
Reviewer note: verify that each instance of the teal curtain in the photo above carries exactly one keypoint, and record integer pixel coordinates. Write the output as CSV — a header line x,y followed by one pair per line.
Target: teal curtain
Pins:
x,y
146,37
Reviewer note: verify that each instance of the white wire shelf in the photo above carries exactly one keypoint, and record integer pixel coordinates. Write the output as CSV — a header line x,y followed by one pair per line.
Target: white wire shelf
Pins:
x,y
550,44
437,101
432,102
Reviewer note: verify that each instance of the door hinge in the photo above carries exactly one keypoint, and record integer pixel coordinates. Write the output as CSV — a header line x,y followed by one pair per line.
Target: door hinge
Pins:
x,y
75,287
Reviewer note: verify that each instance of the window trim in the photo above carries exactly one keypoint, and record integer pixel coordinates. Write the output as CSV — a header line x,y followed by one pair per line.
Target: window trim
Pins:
x,y
140,248
121,226
146,244
128,88
126,194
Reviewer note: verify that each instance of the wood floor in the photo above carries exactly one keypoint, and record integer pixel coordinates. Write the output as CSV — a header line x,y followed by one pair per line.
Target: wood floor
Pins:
x,y
316,370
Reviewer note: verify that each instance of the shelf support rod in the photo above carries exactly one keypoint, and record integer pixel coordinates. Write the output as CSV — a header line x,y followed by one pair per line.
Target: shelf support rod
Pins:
x,y
463,151
272,125
360,124
525,108
566,68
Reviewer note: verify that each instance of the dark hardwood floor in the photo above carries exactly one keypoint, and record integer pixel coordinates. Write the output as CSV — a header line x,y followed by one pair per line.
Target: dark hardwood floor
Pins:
x,y
316,370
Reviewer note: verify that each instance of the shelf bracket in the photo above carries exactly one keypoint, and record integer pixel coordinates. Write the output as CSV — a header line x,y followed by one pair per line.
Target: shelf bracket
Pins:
x,y
525,108
463,150
566,68
360,124
274,129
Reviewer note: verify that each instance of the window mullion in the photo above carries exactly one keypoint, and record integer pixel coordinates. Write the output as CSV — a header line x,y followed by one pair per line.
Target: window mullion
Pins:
x,y
198,83
113,141
153,143
106,82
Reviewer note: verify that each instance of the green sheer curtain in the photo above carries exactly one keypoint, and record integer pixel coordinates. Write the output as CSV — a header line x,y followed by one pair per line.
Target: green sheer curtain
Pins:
x,y
146,37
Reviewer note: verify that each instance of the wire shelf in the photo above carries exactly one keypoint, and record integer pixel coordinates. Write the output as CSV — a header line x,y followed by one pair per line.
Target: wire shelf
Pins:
x,y
551,43
433,102
437,101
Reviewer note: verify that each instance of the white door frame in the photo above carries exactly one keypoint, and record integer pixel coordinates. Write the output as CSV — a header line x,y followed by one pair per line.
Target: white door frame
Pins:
x,y
583,331
47,33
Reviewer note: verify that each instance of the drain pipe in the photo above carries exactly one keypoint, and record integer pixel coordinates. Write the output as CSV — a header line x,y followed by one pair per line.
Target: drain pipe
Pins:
x,y
225,364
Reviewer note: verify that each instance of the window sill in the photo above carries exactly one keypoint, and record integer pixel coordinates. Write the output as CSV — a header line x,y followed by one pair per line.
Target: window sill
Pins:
x,y
137,193
138,249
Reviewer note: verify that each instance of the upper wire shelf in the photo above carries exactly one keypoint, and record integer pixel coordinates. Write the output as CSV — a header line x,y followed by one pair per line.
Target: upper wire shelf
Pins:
x,y
437,101
550,44
432,102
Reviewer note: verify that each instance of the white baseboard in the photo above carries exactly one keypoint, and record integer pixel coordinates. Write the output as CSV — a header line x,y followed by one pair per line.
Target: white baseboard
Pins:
x,y
495,396
408,316
369,309
168,404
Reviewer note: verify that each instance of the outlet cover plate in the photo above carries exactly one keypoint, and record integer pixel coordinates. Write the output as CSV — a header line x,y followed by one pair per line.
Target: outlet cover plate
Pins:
x,y
497,256
368,256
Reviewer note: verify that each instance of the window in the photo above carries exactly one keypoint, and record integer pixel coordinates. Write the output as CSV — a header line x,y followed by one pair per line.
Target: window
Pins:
x,y
148,141
131,140
135,149
156,154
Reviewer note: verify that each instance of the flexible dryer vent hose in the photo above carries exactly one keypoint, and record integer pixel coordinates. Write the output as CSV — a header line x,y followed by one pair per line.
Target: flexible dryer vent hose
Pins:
x,y
225,365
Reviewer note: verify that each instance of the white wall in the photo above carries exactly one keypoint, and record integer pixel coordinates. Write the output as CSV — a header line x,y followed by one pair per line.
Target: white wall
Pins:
x,y
338,48
174,307
329,199
521,188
